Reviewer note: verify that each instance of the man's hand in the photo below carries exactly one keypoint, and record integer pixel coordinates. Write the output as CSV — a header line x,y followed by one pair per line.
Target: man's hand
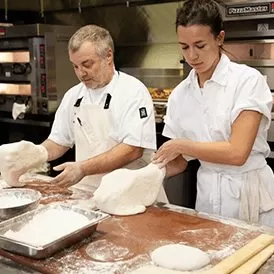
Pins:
x,y
17,158
72,174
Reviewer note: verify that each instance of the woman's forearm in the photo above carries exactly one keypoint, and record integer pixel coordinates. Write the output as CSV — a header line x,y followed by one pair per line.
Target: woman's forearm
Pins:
x,y
222,152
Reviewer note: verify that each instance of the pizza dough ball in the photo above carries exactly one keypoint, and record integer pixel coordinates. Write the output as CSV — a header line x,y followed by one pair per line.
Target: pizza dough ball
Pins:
x,y
179,257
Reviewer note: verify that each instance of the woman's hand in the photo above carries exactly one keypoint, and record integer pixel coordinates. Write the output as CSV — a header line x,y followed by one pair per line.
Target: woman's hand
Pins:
x,y
168,152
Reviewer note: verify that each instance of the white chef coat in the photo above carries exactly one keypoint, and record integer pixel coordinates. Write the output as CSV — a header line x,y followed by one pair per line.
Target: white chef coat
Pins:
x,y
129,98
206,115
88,119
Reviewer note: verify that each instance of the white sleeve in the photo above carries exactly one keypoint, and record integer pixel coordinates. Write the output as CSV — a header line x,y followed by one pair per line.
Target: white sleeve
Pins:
x,y
62,128
171,129
169,120
254,94
137,126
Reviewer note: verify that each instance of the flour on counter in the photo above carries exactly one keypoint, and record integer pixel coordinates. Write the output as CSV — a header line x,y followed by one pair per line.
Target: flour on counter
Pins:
x,y
105,251
48,226
152,269
73,264
221,254
3,184
11,201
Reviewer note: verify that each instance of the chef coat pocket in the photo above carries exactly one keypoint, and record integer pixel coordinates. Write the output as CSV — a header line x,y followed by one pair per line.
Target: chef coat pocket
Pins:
x,y
234,188
230,195
231,186
220,127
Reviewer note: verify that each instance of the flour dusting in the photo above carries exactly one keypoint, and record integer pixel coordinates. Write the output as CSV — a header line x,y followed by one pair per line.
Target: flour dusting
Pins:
x,y
105,251
221,254
74,264
47,226
12,201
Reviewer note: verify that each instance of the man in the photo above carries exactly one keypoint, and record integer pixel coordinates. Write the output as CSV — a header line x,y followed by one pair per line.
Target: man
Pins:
x,y
108,116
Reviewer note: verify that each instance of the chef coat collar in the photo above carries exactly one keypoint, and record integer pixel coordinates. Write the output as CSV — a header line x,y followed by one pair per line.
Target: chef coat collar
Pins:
x,y
219,75
108,88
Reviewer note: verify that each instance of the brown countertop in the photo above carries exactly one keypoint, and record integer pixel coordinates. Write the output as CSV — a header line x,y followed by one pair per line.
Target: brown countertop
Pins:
x,y
122,244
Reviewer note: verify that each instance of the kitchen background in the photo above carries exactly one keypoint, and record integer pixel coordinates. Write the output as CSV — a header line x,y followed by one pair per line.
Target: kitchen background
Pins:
x,y
146,46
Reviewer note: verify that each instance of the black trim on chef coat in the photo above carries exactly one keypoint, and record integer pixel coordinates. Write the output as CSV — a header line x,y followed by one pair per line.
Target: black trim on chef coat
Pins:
x,y
106,105
107,102
78,102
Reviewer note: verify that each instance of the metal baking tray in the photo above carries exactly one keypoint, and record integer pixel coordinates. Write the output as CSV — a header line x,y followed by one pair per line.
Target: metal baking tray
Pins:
x,y
44,251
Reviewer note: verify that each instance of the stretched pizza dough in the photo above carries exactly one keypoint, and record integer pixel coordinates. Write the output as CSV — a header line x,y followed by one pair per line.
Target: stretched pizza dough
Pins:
x,y
17,158
127,192
179,257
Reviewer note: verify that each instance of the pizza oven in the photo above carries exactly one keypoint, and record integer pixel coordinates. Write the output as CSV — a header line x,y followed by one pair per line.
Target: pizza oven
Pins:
x,y
34,68
35,72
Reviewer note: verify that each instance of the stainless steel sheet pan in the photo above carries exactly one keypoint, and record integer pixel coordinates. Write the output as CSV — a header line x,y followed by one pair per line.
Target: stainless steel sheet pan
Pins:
x,y
46,250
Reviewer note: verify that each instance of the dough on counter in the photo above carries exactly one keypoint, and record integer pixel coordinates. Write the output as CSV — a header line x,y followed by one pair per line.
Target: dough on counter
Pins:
x,y
127,192
179,257
152,269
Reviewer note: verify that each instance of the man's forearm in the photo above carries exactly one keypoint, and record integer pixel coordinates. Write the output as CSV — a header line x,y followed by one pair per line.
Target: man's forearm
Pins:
x,y
54,150
176,166
117,157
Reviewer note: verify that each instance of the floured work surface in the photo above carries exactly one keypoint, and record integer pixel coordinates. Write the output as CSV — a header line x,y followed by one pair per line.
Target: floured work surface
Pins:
x,y
50,192
122,244
54,193
42,232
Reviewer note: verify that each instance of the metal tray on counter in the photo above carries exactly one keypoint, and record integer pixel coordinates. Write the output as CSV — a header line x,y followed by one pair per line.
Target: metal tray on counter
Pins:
x,y
34,197
43,251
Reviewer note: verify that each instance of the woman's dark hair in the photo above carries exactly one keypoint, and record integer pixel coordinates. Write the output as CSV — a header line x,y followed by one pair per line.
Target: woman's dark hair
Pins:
x,y
201,12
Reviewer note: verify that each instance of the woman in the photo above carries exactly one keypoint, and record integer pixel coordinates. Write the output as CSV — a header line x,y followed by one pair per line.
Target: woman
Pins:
x,y
220,115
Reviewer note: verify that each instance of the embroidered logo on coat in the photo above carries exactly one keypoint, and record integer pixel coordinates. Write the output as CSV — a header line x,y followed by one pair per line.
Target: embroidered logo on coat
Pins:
x,y
143,112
